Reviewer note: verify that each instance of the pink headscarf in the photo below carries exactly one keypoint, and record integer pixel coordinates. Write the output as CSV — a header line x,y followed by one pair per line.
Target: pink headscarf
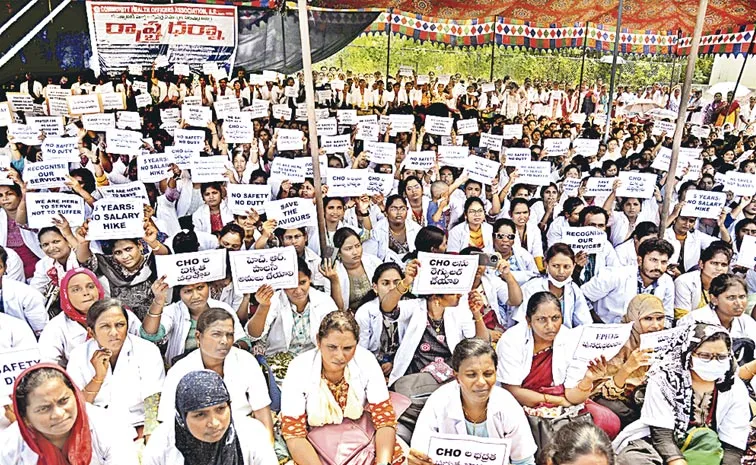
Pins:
x,y
65,303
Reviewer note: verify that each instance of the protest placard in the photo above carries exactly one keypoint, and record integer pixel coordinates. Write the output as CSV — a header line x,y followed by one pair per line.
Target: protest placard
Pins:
x,y
601,339
322,113
516,156
140,87
570,186
346,117
50,125
380,183
447,140
422,79
270,76
24,134
123,142
406,71
383,153
114,218
42,207
300,112
703,204
13,362
599,187
290,92
456,449
467,126
487,87
224,107
46,174
209,169
6,117
281,111
128,120
660,341
237,128
747,252
587,147
740,184
20,102
327,127
290,139
368,131
702,132
196,115
453,155
534,173
98,122
512,131
291,213
144,100
690,152
245,197
323,96
57,100
336,144
599,119
419,160
445,274
662,126
287,168
584,238
401,123
190,268
182,155
481,169
345,182
258,109
694,169
492,142
153,167
276,267
129,190
189,138
556,147
84,104
638,185
61,148
578,118
438,125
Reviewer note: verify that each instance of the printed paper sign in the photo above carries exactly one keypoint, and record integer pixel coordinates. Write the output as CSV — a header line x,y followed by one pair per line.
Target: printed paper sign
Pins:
x,y
45,174
237,128
114,218
481,169
190,268
327,127
196,116
662,126
83,104
287,168
422,79
100,122
601,339
419,160
380,183
281,111
292,213
740,184
690,152
129,190
153,167
128,120
336,144
453,155
586,147
275,267
570,186
61,148
401,123
406,71
123,142
455,449
181,70
290,139
144,100
700,132
42,207
438,125
258,109
599,187
20,102
225,107
245,197
346,117
512,131
556,147
747,253
534,173
344,182
703,204
467,126
368,131
182,156
189,138
487,87
660,341
6,118
491,142
13,363
383,153
638,185
324,96
24,134
322,113
209,169
50,125
445,274
516,157
584,238
599,118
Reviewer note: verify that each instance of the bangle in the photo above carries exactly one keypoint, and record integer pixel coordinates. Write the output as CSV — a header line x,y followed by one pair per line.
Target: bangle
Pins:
x,y
545,399
585,390
402,292
97,381
91,392
154,315
155,249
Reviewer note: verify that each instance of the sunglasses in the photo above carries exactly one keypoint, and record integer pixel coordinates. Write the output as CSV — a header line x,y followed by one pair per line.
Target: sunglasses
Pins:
x,y
502,236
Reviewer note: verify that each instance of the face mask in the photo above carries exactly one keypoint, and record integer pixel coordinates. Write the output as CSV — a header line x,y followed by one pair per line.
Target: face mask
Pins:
x,y
711,370
559,284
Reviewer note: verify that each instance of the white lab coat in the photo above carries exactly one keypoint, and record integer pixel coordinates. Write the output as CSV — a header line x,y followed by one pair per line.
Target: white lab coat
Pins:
x,y
111,442
370,320
458,325
459,237
613,288
378,244
626,253
694,244
280,319
22,301
575,311
554,234
369,263
505,419
15,334
241,373
41,280
688,290
201,218
534,241
138,374
526,264
743,326
29,237
14,267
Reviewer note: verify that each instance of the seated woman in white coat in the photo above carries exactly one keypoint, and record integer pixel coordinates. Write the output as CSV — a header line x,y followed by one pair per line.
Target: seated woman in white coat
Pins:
x,y
627,252
203,431
473,405
393,237
287,320
350,273
239,369
473,231
215,213
521,264
560,263
692,289
56,426
20,300
117,370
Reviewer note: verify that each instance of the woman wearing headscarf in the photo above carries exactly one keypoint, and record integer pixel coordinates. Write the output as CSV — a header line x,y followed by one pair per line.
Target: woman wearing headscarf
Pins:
x,y
79,290
626,372
55,426
695,410
203,432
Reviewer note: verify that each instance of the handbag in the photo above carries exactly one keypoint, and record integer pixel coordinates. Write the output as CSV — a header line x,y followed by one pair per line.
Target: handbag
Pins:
x,y
702,445
351,441
544,429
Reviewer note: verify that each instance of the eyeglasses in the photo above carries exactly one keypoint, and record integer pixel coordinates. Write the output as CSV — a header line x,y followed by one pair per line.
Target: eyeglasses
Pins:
x,y
477,211
709,357
293,238
502,236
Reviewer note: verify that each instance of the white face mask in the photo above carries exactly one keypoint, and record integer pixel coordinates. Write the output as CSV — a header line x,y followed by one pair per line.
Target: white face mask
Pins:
x,y
710,370
559,284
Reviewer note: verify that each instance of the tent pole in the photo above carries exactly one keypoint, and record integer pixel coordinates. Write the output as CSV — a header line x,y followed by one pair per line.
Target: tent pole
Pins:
x,y
681,115
282,12
582,67
28,37
672,75
388,55
304,35
617,32
493,58
18,14
742,68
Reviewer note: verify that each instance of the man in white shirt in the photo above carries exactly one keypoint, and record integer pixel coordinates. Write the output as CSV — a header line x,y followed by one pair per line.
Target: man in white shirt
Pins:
x,y
589,265
688,242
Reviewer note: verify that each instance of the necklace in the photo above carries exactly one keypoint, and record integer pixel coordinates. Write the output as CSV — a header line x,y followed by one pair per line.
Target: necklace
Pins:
x,y
437,325
475,423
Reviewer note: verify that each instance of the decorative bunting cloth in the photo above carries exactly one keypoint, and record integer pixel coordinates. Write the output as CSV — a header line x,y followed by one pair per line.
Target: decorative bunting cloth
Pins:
x,y
732,41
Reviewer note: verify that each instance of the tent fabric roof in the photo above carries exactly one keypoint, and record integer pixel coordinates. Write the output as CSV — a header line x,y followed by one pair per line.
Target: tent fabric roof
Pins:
x,y
638,14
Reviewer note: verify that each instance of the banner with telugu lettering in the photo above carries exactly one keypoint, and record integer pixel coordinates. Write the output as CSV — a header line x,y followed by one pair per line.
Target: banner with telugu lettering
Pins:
x,y
124,34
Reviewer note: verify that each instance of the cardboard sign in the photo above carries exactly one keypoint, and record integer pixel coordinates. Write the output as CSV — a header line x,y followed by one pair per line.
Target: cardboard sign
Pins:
x,y
703,204
639,185
700,132
601,339
84,104
570,186
139,86
45,174
491,142
661,341
182,156
50,125
181,70
99,122
487,87
24,134
599,187
368,131
599,118
114,218
481,169
534,173
42,207
690,152
444,274
61,148
586,147
401,123
189,138
324,96
516,156
327,127
747,253
13,363
281,111
290,139
225,107
128,120
346,117
154,167
123,142
345,182
259,109
584,238
453,155
276,267
379,183
456,449
20,102
438,125
237,128
422,79
336,144
145,100
209,169
467,126
740,184
322,113
556,147
245,197
292,213
191,268
196,116
422,161
287,168
512,131
129,190
662,126
383,153
406,71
